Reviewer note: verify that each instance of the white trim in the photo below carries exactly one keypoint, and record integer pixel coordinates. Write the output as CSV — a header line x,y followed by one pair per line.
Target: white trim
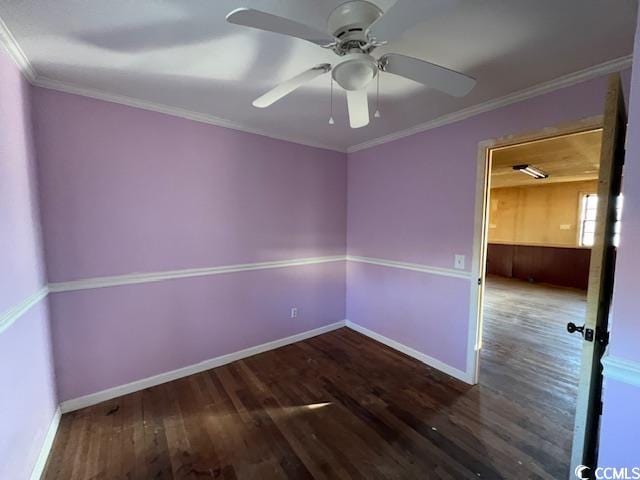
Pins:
x,y
134,278
534,91
41,462
108,394
416,267
426,359
481,219
16,53
478,262
14,50
65,87
621,369
546,87
13,313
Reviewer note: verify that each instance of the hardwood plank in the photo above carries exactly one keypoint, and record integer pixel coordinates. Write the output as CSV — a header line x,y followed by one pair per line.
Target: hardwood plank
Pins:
x,y
341,405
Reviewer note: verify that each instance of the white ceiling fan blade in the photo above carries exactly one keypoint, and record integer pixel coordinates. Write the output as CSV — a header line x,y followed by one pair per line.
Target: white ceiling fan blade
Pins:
x,y
404,14
249,17
290,85
432,75
358,108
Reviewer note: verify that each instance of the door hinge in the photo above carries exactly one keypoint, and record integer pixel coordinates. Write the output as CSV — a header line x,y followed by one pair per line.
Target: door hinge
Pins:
x,y
480,281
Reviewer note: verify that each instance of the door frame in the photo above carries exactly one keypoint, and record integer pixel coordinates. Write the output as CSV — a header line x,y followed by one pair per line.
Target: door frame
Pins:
x,y
481,222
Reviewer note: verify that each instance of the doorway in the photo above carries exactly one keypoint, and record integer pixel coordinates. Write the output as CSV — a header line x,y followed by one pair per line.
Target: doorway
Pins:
x,y
541,212
599,234
594,330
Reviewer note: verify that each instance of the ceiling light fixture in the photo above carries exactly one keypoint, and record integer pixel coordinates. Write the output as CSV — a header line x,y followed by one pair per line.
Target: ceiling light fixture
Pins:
x,y
531,171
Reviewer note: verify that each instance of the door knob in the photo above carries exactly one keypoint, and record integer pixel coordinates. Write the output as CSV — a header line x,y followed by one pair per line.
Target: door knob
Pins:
x,y
572,328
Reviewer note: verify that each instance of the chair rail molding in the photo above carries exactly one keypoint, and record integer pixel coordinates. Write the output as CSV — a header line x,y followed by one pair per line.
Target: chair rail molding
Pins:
x,y
415,267
135,278
9,316
621,369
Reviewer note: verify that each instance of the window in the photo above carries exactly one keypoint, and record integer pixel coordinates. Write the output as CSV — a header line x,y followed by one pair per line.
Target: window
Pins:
x,y
588,220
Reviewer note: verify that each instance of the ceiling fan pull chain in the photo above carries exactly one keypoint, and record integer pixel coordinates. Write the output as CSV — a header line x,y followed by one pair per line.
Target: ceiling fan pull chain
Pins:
x,y
331,120
377,113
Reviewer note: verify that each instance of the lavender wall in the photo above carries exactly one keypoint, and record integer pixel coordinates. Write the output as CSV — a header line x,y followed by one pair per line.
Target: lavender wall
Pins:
x,y
414,308
111,336
626,329
125,190
620,436
413,200
28,400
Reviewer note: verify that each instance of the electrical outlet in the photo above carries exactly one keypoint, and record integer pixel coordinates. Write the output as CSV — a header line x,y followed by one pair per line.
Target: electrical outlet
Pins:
x,y
294,312
458,262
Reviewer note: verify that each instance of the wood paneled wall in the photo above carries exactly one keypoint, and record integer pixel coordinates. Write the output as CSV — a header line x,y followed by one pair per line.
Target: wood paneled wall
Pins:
x,y
547,214
566,267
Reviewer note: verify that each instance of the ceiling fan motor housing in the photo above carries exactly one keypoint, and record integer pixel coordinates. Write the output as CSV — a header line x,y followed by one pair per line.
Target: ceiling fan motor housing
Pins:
x,y
350,21
355,71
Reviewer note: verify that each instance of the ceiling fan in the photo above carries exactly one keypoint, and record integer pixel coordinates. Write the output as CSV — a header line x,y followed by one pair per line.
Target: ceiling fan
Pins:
x,y
353,31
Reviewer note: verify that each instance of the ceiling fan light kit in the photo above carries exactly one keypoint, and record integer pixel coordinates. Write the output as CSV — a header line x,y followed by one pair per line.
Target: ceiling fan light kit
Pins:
x,y
352,37
355,71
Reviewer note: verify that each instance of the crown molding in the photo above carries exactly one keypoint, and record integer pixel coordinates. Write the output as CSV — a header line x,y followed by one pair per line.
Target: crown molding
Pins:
x,y
16,53
561,82
14,50
97,94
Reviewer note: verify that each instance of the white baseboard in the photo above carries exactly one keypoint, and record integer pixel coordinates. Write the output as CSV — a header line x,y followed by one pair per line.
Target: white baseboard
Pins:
x,y
108,394
41,462
426,359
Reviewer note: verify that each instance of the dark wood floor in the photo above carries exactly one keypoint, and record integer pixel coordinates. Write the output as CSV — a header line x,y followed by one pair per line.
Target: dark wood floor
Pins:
x,y
343,406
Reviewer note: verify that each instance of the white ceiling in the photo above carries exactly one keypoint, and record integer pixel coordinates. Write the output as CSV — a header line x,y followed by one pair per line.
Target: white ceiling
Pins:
x,y
183,54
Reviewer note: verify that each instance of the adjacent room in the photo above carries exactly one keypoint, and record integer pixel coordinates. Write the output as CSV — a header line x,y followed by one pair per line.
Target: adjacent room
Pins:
x,y
301,239
541,215
542,212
